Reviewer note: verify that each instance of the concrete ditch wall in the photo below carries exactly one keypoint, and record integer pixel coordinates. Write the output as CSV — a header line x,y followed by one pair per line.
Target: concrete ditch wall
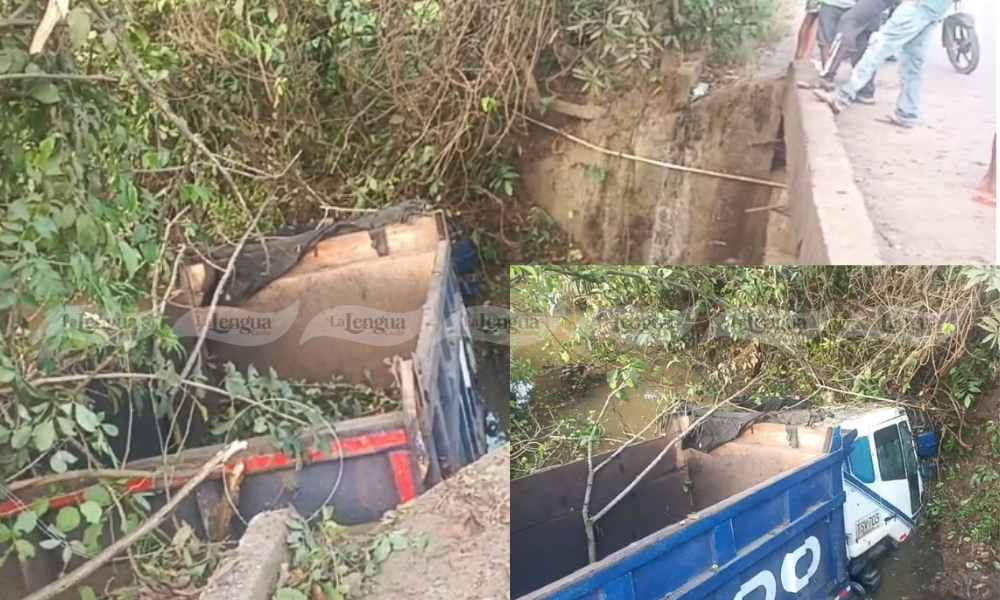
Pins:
x,y
828,212
622,211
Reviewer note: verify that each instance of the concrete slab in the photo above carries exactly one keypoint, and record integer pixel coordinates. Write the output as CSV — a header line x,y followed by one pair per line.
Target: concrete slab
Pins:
x,y
251,572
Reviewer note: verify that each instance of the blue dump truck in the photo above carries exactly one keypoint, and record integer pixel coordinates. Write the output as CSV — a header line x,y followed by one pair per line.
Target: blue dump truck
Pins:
x,y
742,510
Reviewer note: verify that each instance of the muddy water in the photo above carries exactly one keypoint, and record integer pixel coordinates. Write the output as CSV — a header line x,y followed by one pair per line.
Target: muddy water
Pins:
x,y
553,402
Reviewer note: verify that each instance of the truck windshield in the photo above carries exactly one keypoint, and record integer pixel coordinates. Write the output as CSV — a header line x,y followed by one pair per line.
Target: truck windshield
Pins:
x,y
890,453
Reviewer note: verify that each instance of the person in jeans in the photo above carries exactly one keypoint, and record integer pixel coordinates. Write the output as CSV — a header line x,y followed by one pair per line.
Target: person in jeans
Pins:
x,y
906,35
853,31
807,31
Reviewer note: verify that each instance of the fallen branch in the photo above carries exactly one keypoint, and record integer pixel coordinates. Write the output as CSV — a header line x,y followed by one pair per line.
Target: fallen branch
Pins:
x,y
85,570
650,161
55,11
59,77
155,377
590,521
80,474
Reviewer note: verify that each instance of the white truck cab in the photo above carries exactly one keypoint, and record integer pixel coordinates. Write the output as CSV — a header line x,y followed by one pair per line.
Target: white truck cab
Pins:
x,y
881,480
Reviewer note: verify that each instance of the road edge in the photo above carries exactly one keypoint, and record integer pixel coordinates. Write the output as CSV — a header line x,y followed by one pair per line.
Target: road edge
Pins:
x,y
828,213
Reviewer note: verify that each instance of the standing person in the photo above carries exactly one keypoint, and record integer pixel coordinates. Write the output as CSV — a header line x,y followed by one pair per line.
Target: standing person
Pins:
x,y
905,34
807,31
830,13
986,193
854,30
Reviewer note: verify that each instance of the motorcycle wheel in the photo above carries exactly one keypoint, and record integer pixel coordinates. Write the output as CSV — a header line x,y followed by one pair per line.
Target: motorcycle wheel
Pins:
x,y
962,45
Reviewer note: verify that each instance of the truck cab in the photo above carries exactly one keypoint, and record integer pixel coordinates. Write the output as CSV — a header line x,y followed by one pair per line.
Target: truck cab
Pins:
x,y
882,486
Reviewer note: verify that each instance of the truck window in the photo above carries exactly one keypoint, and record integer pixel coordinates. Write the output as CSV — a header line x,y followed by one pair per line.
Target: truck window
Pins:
x,y
860,460
909,456
890,453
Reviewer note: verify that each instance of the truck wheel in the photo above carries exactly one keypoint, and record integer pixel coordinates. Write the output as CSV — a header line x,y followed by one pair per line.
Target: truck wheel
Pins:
x,y
858,592
871,579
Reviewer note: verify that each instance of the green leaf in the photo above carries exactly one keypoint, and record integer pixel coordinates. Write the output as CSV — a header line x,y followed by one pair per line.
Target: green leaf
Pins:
x,y
65,217
86,418
4,534
92,536
382,549
97,493
61,460
91,511
50,544
7,374
45,92
45,435
67,519
398,540
25,551
26,522
66,425
20,438
287,593
40,506
79,26
130,256
87,593
86,232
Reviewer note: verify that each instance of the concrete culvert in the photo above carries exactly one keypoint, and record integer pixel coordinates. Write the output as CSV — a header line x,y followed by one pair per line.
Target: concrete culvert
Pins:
x,y
620,210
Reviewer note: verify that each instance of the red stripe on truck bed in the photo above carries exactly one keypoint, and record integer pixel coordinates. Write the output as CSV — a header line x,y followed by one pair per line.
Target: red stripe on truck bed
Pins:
x,y
348,447
403,473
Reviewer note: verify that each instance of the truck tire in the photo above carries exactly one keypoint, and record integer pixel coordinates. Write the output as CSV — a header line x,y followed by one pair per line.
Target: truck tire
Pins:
x,y
871,579
858,592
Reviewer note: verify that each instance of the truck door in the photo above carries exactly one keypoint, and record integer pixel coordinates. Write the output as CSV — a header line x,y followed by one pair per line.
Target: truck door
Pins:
x,y
898,482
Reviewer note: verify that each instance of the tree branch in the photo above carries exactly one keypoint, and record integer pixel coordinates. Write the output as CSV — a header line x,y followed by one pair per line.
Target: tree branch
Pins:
x,y
59,77
85,570
668,447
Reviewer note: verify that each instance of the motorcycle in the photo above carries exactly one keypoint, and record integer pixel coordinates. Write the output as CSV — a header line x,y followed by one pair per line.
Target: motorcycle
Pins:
x,y
958,34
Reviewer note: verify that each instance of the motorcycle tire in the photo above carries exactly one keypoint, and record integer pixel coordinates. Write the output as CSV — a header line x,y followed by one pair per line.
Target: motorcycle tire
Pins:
x,y
962,44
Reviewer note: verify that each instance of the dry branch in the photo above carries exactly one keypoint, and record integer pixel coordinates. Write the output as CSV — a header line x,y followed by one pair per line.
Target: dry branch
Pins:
x,y
650,161
588,521
85,570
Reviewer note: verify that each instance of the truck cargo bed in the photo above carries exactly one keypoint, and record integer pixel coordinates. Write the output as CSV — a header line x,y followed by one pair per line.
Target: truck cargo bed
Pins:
x,y
701,525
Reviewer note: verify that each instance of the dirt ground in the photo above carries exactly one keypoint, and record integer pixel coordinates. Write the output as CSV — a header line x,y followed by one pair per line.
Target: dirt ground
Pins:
x,y
918,183
466,520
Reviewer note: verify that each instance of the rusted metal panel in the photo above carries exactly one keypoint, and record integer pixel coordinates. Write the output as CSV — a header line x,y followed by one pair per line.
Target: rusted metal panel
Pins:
x,y
546,532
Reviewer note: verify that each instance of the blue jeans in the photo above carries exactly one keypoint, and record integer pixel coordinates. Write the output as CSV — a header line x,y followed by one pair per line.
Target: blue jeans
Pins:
x,y
905,35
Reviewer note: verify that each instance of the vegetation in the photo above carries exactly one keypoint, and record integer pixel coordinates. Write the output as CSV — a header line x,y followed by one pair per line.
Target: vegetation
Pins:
x,y
145,132
328,562
925,337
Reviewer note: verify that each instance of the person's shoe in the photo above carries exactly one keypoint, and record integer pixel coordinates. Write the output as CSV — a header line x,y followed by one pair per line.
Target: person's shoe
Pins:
x,y
894,119
827,84
865,99
831,100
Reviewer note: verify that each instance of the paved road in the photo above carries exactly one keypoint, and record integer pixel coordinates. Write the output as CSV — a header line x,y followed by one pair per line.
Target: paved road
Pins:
x,y
918,183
